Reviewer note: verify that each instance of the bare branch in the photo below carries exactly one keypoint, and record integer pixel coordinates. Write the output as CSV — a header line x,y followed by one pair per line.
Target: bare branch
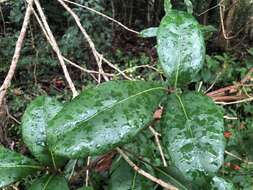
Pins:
x,y
145,174
153,131
56,48
96,54
103,15
16,55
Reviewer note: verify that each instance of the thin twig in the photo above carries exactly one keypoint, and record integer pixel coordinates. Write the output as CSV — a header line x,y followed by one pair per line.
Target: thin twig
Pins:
x,y
209,9
103,15
221,11
247,76
16,55
91,72
87,172
229,117
214,82
153,131
237,157
2,16
96,54
236,102
56,48
116,68
145,174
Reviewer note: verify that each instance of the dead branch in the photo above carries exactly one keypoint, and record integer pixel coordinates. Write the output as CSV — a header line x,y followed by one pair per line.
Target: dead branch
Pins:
x,y
145,174
16,55
96,54
56,48
103,15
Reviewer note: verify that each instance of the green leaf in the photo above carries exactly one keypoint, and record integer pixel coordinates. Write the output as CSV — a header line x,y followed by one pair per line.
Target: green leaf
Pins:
x,y
50,182
104,117
189,6
14,166
34,124
123,177
167,6
181,47
219,183
85,188
149,32
192,131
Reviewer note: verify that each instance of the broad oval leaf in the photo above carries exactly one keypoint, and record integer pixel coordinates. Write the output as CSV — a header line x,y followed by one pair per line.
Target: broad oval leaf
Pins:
x,y
149,32
34,124
181,47
50,182
102,118
219,183
123,177
14,166
192,128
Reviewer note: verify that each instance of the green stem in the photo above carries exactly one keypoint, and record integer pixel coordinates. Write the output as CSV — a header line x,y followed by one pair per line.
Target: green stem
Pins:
x,y
134,180
185,113
53,160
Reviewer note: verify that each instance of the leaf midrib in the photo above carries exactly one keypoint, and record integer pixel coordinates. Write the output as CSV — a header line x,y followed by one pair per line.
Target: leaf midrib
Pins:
x,y
21,166
109,108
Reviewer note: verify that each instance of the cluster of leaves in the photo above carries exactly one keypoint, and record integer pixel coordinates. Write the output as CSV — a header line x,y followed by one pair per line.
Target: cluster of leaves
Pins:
x,y
116,114
113,113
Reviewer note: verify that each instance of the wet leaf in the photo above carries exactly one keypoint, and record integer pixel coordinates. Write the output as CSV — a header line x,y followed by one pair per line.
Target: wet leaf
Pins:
x,y
85,188
192,131
50,182
123,177
149,32
34,124
167,6
102,118
14,166
219,183
181,47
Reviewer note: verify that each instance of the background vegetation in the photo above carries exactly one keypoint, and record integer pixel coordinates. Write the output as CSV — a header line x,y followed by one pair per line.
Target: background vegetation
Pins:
x,y
228,29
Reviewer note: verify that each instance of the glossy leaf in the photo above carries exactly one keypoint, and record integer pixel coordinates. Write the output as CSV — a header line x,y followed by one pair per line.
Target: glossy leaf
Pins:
x,y
34,124
123,177
219,183
193,134
189,6
149,32
14,166
181,47
50,182
167,6
102,118
85,188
